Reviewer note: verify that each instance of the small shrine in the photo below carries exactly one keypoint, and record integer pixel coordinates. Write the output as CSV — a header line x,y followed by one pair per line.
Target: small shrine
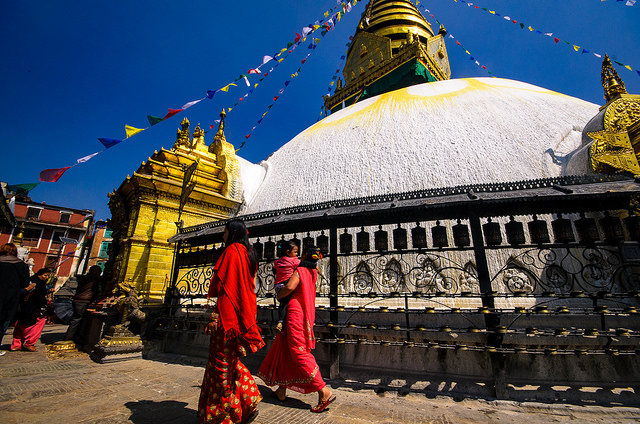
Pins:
x,y
190,184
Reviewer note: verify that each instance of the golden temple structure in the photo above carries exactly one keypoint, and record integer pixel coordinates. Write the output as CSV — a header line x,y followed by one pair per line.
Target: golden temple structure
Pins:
x,y
616,145
188,185
393,47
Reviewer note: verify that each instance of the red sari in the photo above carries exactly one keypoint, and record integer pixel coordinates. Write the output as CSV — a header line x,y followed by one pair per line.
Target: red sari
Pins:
x,y
289,362
229,393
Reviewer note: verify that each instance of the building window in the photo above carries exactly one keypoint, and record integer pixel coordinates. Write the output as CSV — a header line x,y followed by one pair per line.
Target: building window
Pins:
x,y
104,249
33,213
107,232
65,218
31,237
56,243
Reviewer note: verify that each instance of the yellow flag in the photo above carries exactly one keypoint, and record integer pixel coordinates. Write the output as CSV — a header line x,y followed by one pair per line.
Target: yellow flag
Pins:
x,y
315,27
355,2
316,40
493,12
226,88
131,130
326,14
530,29
628,67
576,48
280,60
255,85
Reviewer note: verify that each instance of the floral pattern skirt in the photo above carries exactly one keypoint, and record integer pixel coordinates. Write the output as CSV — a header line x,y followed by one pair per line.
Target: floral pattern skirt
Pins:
x,y
229,392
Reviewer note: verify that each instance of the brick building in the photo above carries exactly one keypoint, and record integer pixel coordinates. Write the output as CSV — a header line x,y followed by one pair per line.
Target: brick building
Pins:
x,y
50,236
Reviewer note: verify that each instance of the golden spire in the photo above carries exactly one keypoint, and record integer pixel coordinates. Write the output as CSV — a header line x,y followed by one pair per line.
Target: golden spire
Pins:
x,y
611,82
219,137
182,136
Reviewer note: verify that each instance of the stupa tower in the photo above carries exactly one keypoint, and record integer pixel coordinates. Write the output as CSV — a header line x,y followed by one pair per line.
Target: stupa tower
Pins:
x,y
393,47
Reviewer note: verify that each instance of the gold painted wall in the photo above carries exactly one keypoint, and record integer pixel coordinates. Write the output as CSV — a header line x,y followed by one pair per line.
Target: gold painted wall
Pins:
x,y
146,207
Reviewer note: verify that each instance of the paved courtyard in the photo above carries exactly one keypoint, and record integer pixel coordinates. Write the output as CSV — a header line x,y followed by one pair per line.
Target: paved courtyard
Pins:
x,y
165,389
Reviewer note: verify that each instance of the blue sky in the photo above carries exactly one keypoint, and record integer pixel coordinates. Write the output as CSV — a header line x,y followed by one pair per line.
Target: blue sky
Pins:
x,y
76,71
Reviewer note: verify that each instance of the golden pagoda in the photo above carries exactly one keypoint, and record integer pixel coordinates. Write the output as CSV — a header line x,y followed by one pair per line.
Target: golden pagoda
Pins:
x,y
393,47
616,128
188,185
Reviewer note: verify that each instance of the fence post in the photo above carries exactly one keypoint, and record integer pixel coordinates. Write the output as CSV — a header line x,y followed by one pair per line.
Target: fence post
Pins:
x,y
334,349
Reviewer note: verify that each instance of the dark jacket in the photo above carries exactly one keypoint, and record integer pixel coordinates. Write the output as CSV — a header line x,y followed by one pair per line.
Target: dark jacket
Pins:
x,y
88,288
32,302
14,276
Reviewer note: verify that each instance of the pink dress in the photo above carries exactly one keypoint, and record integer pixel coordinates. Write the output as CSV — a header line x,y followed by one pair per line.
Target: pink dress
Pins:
x,y
289,362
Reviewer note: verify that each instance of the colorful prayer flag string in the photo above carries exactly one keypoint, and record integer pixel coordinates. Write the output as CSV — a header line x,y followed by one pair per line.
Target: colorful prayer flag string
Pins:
x,y
556,40
472,58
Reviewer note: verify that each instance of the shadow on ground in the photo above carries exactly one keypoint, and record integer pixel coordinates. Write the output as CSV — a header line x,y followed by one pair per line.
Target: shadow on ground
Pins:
x,y
167,411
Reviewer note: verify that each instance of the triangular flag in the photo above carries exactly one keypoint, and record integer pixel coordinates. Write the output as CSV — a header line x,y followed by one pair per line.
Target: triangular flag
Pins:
x,y
265,59
253,71
131,131
210,93
171,112
557,40
22,188
153,119
52,175
109,142
86,158
298,37
576,48
188,105
247,136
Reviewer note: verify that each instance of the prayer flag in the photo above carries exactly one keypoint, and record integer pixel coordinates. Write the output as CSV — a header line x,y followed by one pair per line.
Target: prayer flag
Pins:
x,y
286,83
171,112
131,131
86,158
188,105
154,119
253,71
298,37
557,40
108,142
266,59
52,175
576,48
628,67
275,98
22,188
210,93
247,136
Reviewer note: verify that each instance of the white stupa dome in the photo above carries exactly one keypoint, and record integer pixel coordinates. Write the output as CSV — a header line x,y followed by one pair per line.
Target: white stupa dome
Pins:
x,y
439,134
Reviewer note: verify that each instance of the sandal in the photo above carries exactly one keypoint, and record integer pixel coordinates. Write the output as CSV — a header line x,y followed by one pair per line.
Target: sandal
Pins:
x,y
251,417
322,406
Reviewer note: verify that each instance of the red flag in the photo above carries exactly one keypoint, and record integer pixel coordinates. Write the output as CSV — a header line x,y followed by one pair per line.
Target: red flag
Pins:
x,y
557,40
247,136
275,98
171,113
458,43
298,37
52,175
514,21
253,71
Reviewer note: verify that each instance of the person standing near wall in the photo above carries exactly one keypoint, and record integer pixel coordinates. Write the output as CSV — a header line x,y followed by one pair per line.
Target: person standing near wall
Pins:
x,y
14,276
32,316
87,292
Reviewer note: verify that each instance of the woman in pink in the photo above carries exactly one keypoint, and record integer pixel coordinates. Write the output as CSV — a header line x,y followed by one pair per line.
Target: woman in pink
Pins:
x,y
31,319
289,362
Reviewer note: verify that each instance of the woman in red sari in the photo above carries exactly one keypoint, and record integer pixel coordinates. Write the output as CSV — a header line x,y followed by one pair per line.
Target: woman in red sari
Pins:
x,y
229,394
289,362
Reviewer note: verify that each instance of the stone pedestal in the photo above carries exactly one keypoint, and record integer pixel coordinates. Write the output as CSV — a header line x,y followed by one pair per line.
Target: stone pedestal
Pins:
x,y
118,344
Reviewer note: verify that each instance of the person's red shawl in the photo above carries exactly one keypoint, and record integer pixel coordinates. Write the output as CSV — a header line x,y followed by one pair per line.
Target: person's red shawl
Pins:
x,y
234,285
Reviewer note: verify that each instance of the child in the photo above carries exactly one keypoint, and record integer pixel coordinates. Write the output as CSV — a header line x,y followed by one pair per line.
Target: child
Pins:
x,y
284,267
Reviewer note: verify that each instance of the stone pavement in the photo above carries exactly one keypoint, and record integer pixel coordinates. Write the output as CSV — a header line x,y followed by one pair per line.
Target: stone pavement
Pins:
x,y
164,389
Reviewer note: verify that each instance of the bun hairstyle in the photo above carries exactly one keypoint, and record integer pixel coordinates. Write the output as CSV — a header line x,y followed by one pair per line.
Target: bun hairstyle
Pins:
x,y
311,257
238,233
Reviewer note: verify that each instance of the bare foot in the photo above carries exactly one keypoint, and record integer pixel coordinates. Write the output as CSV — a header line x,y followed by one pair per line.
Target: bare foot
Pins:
x,y
281,393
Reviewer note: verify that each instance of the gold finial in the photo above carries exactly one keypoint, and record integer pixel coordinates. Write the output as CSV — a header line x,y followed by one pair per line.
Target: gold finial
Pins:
x,y
182,137
611,82
442,30
220,132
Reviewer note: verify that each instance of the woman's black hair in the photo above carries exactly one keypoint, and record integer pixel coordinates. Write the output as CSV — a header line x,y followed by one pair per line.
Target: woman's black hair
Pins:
x,y
238,234
285,247
43,271
310,257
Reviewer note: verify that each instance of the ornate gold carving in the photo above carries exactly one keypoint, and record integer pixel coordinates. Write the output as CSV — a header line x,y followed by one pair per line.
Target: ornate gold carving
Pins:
x,y
182,137
613,152
622,113
611,82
